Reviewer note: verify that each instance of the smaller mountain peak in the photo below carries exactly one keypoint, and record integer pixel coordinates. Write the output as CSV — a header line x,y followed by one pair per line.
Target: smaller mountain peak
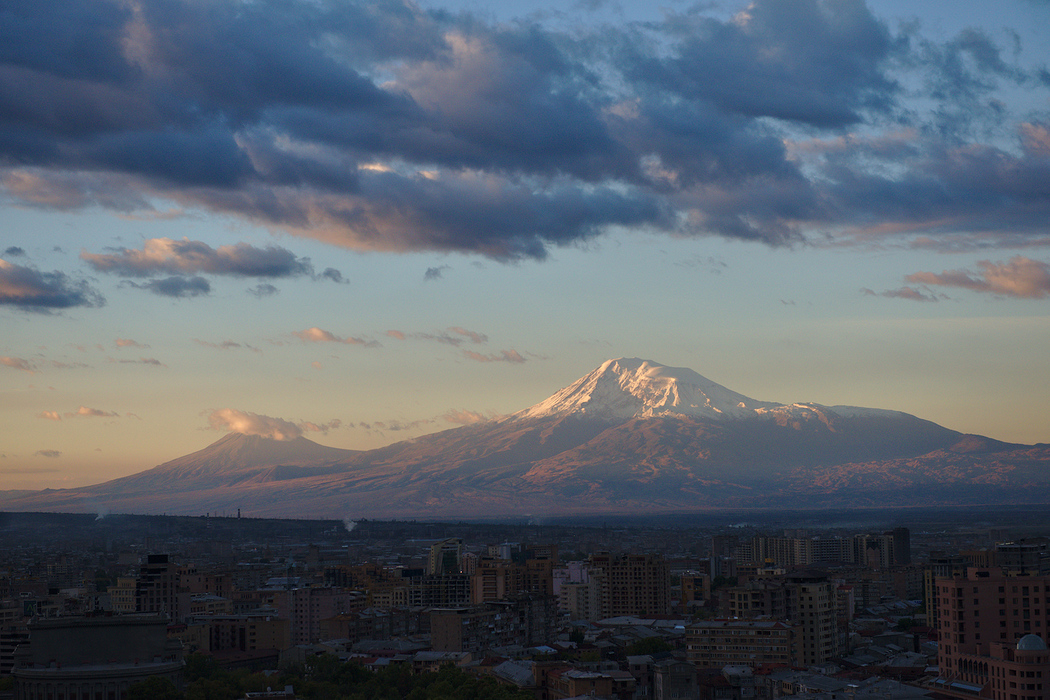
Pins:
x,y
252,437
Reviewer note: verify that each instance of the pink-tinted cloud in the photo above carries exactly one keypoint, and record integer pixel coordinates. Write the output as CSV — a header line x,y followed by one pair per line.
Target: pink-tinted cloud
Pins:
x,y
396,334
1020,277
502,356
249,423
85,412
128,343
319,335
464,417
50,415
1035,138
17,363
186,257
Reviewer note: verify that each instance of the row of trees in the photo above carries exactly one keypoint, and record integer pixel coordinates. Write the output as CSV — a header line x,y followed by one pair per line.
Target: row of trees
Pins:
x,y
326,678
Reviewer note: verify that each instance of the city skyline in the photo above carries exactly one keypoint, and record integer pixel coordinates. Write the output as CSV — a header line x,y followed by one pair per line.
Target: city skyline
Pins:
x,y
366,222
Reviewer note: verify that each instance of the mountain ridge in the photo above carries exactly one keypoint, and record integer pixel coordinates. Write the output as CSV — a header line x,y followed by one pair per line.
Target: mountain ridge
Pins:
x,y
631,434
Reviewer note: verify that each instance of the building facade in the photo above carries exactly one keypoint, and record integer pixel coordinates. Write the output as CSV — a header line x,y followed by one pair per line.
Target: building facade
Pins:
x,y
713,644
90,658
632,584
991,627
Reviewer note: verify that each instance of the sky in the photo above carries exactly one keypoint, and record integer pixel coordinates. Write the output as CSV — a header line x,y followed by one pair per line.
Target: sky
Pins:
x,y
361,222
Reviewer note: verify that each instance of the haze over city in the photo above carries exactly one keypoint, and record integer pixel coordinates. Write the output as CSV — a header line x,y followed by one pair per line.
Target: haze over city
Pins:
x,y
367,222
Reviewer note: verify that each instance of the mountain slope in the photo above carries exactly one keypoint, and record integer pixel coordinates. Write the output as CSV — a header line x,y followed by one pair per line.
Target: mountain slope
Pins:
x,y
234,459
630,435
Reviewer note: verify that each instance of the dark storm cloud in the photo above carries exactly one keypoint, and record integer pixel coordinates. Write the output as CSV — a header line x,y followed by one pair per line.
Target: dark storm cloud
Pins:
x,y
29,289
378,125
819,64
973,189
962,75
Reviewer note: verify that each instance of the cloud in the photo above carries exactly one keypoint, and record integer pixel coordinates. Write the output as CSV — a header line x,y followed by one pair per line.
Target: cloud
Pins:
x,y
141,361
464,417
398,128
502,356
1021,277
330,273
454,336
85,412
470,335
225,345
263,290
249,423
308,427
167,256
128,343
18,363
51,454
32,290
175,287
395,426
317,335
67,365
909,293
50,415
435,273
14,252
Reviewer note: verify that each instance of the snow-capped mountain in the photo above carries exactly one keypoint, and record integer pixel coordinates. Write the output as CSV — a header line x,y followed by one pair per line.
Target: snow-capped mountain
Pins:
x,y
631,435
629,388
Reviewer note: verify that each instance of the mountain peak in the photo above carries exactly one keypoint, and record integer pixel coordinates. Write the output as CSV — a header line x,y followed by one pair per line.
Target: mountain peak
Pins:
x,y
238,451
627,388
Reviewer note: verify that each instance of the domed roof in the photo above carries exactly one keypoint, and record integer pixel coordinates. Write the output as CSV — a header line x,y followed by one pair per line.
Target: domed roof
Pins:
x,y
1031,642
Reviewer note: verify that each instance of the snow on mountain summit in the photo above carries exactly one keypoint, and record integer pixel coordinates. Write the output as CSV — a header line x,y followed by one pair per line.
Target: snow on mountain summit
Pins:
x,y
628,388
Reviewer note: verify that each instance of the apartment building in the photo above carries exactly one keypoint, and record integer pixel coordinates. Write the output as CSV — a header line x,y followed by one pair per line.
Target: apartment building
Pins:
x,y
632,584
720,643
993,629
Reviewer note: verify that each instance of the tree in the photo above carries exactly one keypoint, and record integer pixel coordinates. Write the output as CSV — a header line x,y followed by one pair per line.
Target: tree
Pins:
x,y
154,688
648,647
